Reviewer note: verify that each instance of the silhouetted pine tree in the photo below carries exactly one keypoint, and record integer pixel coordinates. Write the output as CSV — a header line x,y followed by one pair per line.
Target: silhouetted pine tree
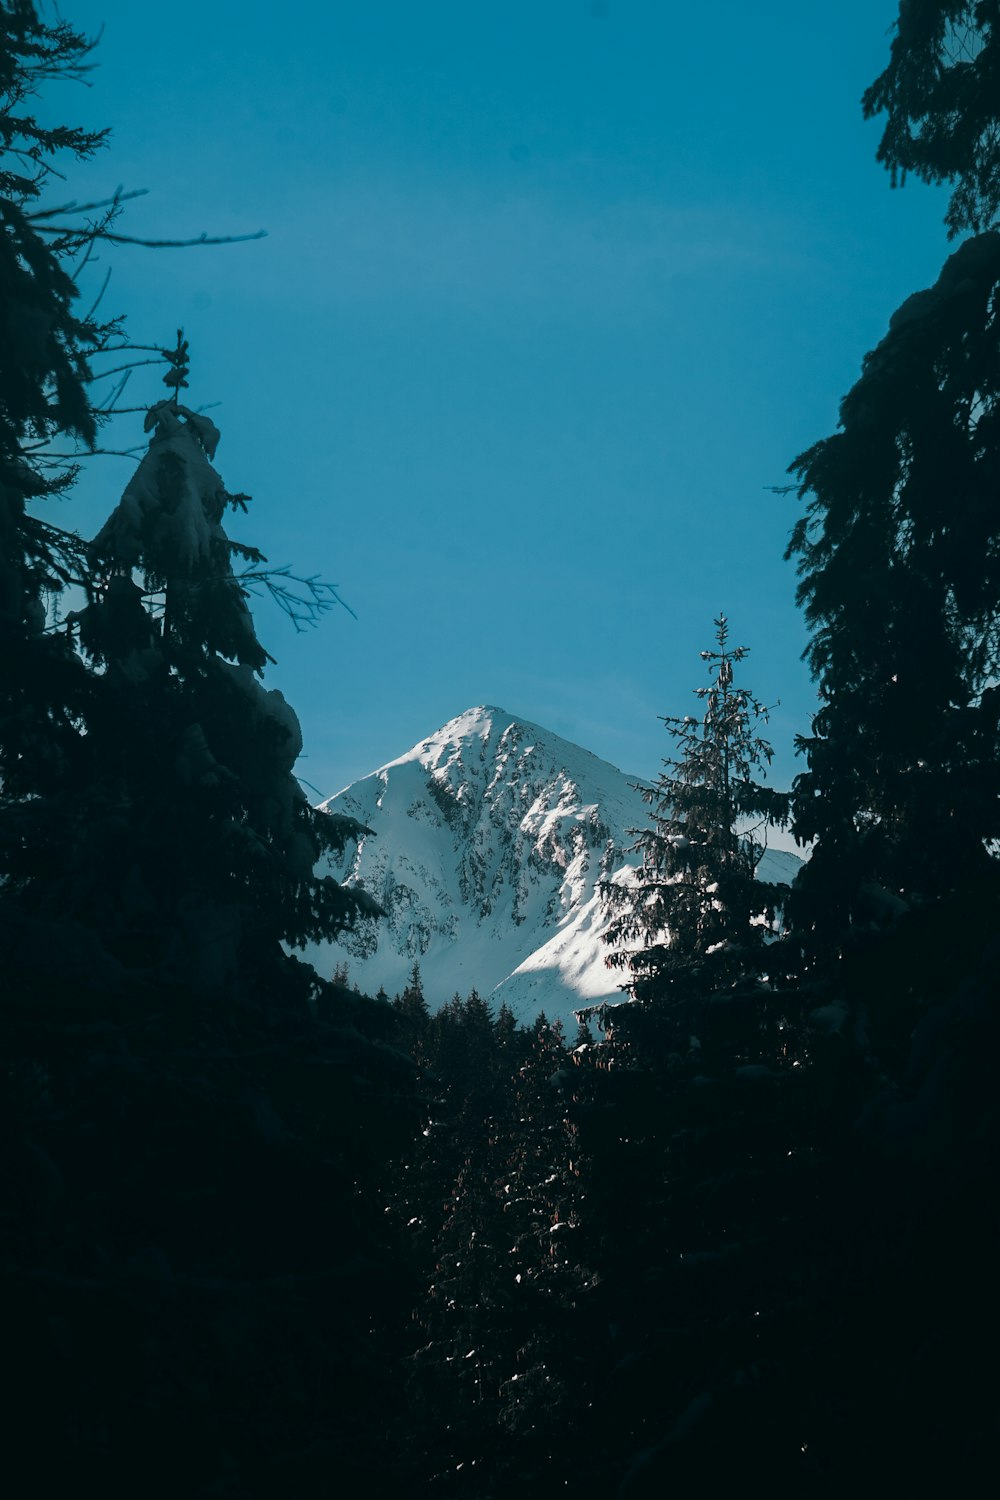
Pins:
x,y
414,1016
45,346
202,861
899,553
193,1276
694,918
506,1029
214,1120
899,547
941,92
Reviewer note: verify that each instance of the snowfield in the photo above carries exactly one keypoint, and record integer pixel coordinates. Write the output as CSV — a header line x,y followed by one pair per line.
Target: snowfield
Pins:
x,y
491,838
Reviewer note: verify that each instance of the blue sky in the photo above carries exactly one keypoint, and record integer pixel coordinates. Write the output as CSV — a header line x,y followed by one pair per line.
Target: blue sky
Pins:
x,y
552,291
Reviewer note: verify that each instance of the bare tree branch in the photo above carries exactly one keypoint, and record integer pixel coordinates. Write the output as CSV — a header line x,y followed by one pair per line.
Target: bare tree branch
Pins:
x,y
85,208
303,600
201,239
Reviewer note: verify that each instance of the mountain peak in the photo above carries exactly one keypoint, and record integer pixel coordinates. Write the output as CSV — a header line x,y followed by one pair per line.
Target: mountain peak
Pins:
x,y
485,727
494,836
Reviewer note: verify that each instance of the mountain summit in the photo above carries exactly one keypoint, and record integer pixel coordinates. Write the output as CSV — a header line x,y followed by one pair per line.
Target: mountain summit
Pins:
x,y
492,835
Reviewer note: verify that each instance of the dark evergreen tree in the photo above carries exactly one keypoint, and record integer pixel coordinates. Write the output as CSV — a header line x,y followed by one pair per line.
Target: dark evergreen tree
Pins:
x,y
481,1038
899,555
202,861
216,1118
192,1134
413,994
414,1015
506,1028
695,917
45,348
899,550
941,93
46,343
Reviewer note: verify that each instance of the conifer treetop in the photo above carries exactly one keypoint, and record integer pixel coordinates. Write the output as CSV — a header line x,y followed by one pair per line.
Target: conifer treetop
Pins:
x,y
695,914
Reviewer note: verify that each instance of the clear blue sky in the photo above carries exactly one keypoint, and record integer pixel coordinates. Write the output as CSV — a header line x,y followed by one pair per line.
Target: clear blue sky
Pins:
x,y
552,291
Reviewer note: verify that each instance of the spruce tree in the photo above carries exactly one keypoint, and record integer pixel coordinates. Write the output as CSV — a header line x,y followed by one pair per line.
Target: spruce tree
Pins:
x,y
899,547
506,1029
192,1125
203,861
899,556
414,1013
46,344
941,94
694,918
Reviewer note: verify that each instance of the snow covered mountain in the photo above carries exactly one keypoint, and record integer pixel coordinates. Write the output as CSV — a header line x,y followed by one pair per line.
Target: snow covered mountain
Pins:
x,y
491,837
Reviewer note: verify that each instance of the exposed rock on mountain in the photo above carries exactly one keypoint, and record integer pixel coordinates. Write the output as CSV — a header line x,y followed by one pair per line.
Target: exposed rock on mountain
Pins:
x,y
492,835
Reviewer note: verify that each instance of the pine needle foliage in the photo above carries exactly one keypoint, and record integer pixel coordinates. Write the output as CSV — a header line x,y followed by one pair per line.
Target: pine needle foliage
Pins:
x,y
205,861
695,917
899,557
941,93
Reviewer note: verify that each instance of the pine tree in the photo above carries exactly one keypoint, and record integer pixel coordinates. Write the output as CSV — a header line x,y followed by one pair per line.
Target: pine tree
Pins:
x,y
899,548
695,917
203,859
941,93
481,1038
505,1028
899,556
193,1133
45,368
414,1013
45,348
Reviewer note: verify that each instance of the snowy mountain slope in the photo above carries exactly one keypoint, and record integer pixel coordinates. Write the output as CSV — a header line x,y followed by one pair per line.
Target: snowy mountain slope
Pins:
x,y
491,837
